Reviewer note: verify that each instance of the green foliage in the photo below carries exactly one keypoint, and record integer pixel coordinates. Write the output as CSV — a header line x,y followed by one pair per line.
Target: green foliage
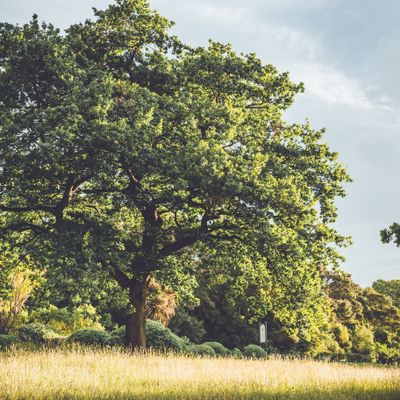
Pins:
x,y
90,337
219,349
379,309
91,124
254,351
359,358
344,296
389,288
161,338
363,340
116,337
36,333
218,310
365,317
201,350
382,336
342,335
158,337
184,324
66,322
387,355
391,234
7,341
236,353
325,346
17,282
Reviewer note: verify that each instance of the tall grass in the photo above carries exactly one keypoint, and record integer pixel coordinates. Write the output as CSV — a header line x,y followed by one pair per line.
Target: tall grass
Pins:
x,y
112,374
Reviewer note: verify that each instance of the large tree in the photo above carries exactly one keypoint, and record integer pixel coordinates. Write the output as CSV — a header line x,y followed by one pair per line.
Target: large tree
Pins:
x,y
122,149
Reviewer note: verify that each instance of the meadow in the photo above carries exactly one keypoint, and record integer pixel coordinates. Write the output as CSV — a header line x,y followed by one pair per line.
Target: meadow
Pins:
x,y
114,374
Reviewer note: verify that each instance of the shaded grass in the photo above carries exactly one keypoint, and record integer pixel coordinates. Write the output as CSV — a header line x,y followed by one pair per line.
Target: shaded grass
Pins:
x,y
83,374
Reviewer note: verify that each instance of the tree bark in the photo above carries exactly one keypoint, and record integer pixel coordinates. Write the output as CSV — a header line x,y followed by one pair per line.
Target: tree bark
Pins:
x,y
135,335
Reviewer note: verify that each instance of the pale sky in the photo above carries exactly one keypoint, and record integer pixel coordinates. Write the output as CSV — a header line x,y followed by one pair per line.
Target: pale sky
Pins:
x,y
347,53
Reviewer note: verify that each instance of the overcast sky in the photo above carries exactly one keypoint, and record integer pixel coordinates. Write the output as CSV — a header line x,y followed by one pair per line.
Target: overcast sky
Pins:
x,y
348,55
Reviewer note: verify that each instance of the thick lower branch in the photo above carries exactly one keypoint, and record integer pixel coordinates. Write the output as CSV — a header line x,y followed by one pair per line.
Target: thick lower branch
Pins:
x,y
120,276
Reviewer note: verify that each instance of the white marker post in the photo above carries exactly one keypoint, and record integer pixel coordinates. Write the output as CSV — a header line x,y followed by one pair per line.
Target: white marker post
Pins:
x,y
263,334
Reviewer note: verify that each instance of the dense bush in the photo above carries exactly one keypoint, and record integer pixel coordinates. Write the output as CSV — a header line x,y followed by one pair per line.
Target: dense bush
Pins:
x,y
201,350
116,337
158,337
161,338
184,324
90,337
324,346
254,351
7,340
36,333
65,321
219,349
358,358
236,353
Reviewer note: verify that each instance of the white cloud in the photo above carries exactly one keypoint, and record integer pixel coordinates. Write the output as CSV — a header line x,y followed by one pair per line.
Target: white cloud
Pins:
x,y
294,41
216,12
308,61
332,85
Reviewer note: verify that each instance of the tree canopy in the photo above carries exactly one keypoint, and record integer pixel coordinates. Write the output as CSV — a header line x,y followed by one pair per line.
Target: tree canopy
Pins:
x,y
124,150
389,288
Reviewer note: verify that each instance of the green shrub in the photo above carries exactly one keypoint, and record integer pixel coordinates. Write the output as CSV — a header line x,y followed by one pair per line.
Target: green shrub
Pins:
x,y
35,333
272,349
219,349
7,341
161,338
184,324
358,358
157,337
254,351
339,357
66,321
236,353
324,346
89,337
201,350
116,337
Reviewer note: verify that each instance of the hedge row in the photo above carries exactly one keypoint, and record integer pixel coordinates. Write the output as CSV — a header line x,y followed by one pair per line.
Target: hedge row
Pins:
x,y
161,338
158,337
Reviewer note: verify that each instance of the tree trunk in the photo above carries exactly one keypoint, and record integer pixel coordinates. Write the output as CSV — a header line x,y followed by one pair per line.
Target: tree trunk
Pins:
x,y
135,336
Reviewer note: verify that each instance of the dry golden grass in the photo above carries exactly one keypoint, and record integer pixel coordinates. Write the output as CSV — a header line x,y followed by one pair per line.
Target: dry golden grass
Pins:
x,y
111,374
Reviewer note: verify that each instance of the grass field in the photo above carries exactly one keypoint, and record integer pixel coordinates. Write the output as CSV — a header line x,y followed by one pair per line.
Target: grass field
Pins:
x,y
110,374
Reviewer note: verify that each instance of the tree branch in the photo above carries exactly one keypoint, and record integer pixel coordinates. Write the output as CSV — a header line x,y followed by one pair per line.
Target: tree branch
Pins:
x,y
22,227
71,186
26,209
120,276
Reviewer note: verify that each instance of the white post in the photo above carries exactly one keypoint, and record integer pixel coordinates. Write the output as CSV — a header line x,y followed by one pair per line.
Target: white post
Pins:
x,y
263,336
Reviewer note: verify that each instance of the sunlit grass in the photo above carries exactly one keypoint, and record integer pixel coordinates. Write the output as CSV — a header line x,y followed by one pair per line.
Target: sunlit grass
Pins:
x,y
112,374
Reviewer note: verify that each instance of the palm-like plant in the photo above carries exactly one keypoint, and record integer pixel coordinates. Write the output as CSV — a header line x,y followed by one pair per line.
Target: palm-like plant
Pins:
x,y
161,303
11,306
